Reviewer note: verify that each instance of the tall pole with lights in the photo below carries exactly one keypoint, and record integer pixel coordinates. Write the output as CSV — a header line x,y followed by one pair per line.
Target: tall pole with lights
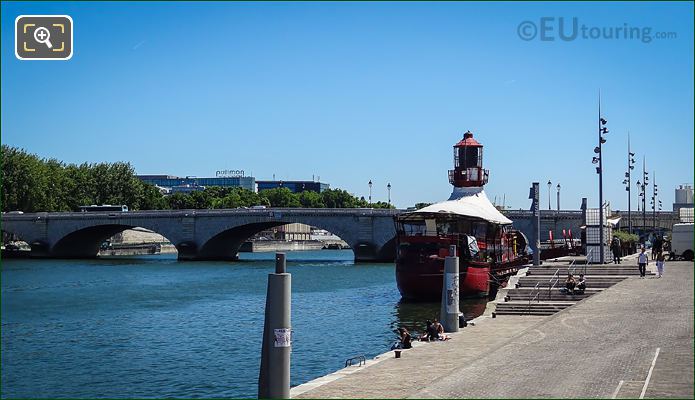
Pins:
x,y
370,192
628,181
550,185
655,192
643,190
599,170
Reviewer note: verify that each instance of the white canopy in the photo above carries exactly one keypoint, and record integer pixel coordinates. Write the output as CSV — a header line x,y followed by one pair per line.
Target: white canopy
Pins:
x,y
613,221
471,202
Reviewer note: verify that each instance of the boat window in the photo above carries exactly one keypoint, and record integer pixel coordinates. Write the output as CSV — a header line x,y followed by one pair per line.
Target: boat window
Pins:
x,y
480,231
473,249
412,229
431,227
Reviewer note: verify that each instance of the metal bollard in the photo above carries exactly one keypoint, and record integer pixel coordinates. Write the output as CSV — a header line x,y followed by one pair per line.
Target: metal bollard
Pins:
x,y
449,313
274,375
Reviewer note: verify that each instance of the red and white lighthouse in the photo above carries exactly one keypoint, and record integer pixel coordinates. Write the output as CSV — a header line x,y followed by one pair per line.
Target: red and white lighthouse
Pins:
x,y
468,163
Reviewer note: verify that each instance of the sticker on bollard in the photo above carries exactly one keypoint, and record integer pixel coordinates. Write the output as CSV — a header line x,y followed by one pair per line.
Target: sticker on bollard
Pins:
x,y
283,337
452,293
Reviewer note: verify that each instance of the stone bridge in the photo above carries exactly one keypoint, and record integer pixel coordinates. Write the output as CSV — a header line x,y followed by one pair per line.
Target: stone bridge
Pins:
x,y
200,234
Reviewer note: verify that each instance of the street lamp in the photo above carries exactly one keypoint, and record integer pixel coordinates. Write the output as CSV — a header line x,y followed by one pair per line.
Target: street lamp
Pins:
x,y
370,193
642,186
655,191
550,184
627,181
388,187
558,197
599,170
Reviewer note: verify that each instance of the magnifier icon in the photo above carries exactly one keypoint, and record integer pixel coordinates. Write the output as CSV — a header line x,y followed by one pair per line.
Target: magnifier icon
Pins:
x,y
42,35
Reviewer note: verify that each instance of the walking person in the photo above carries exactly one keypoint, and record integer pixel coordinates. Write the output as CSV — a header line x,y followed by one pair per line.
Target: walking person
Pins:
x,y
660,258
657,246
642,261
617,249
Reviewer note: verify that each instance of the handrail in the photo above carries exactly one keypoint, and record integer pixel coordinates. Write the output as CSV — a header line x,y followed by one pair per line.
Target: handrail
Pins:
x,y
586,262
361,359
531,299
571,269
551,284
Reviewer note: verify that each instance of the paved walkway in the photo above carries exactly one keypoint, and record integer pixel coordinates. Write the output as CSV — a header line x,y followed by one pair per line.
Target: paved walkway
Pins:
x,y
605,346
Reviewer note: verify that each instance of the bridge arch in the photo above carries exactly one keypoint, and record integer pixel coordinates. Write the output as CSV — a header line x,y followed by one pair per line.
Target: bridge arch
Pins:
x,y
225,241
86,242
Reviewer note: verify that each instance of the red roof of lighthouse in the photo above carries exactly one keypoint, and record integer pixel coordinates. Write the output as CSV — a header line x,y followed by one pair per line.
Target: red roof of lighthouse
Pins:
x,y
468,141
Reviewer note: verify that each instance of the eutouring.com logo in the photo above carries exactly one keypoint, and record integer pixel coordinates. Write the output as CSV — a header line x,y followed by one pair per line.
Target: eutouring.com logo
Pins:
x,y
549,29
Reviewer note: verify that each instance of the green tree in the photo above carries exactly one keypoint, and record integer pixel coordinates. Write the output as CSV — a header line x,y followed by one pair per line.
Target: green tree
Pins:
x,y
152,198
280,197
231,200
338,198
180,201
309,199
382,204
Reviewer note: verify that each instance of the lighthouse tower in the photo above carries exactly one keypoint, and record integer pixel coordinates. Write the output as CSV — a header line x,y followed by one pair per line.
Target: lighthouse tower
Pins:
x,y
468,164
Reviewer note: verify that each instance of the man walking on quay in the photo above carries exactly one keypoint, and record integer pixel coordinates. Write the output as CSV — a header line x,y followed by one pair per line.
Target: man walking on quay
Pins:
x,y
615,246
642,261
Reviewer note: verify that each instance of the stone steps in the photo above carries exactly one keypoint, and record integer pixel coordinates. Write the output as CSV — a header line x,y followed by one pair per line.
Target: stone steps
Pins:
x,y
528,294
599,278
533,308
607,272
593,281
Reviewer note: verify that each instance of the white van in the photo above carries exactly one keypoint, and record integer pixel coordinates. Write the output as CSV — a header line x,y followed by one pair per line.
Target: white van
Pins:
x,y
682,241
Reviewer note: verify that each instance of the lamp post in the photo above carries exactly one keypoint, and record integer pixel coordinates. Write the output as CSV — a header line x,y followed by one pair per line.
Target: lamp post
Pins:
x,y
550,184
627,181
388,187
655,191
643,186
599,170
370,192
558,197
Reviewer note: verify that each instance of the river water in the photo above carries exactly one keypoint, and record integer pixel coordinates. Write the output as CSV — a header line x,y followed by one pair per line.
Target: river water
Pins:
x,y
152,326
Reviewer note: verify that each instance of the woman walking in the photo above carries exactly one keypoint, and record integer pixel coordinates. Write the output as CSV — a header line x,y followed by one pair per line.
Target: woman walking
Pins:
x,y
642,261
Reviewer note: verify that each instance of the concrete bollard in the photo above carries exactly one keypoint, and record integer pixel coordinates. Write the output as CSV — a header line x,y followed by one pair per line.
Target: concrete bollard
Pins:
x,y
274,376
449,313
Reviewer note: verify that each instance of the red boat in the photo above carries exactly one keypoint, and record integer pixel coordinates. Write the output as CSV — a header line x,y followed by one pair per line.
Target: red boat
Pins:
x,y
489,249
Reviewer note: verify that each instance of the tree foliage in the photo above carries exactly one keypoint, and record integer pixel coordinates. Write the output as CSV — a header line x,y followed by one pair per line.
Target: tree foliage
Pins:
x,y
626,237
33,184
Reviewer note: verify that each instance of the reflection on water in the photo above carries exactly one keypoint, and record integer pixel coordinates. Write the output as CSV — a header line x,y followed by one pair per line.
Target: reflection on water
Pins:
x,y
413,315
152,326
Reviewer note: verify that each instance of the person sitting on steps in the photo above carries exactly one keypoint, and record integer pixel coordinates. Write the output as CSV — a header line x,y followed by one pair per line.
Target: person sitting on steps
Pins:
x,y
581,285
570,283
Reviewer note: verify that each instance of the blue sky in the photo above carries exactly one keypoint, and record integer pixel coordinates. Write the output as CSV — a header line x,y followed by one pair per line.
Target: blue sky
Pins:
x,y
358,91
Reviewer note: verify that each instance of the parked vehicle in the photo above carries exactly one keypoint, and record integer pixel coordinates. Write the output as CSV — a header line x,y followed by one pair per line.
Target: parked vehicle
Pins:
x,y
682,241
104,207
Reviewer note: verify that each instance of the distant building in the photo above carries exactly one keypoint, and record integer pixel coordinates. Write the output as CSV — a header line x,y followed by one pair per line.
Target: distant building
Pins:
x,y
684,197
170,181
294,186
186,189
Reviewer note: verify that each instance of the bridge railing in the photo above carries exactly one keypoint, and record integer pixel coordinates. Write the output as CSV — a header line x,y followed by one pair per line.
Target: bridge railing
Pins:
x,y
210,212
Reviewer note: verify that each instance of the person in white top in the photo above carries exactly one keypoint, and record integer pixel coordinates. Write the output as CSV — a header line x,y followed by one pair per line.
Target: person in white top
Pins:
x,y
660,264
642,261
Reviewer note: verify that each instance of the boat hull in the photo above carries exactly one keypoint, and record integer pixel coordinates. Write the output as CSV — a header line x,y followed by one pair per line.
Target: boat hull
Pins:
x,y
423,281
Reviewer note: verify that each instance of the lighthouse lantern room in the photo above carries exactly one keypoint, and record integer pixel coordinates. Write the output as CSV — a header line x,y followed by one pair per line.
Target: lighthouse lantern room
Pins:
x,y
468,163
